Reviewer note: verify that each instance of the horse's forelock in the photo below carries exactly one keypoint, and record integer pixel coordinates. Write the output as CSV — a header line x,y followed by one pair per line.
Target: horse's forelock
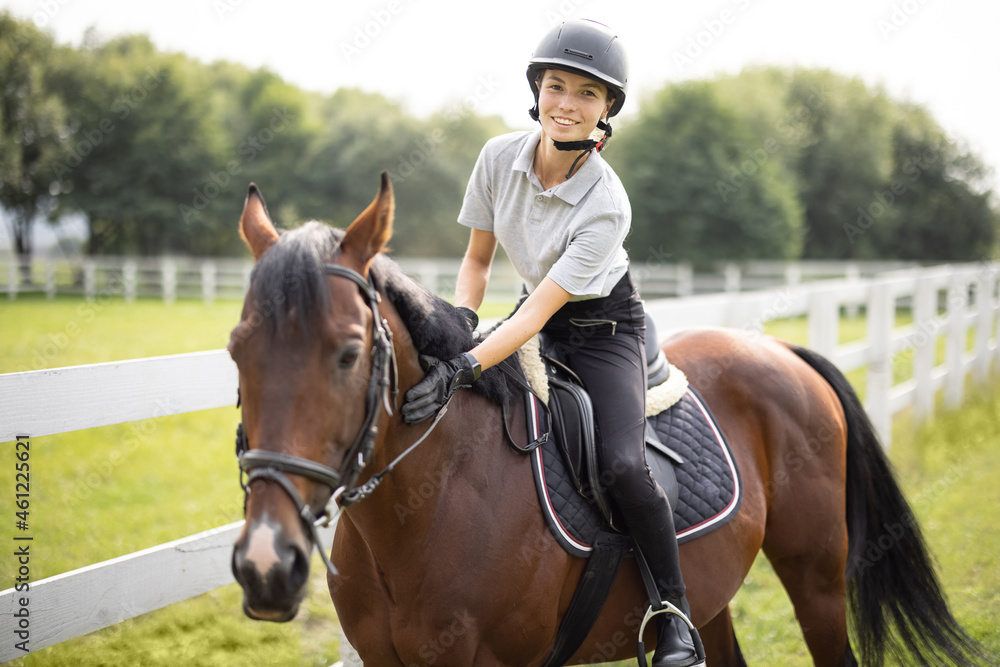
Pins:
x,y
288,280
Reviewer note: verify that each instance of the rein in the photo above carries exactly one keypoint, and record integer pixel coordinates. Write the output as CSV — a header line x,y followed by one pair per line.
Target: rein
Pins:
x,y
272,466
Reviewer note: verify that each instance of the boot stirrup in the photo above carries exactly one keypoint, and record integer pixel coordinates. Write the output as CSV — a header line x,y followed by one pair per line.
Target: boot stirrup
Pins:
x,y
669,608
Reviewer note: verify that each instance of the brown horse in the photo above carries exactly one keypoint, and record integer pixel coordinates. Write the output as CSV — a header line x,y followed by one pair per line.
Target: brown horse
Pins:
x,y
432,563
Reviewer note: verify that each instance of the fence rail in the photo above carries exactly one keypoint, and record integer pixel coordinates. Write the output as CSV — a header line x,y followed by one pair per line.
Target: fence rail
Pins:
x,y
172,278
947,302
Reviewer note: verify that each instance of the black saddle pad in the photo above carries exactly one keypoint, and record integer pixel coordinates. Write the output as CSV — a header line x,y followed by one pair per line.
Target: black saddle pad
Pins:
x,y
710,491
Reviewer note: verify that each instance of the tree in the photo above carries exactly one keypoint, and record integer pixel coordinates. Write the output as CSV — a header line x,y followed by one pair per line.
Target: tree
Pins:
x,y
940,206
878,178
32,127
142,146
263,128
702,188
847,153
159,150
432,172
429,162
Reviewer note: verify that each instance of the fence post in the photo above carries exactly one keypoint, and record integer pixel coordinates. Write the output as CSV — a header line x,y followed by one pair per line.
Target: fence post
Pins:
x,y
428,276
881,318
169,270
130,278
958,298
12,280
208,282
852,273
793,273
89,279
685,280
823,321
984,316
926,321
731,276
247,270
994,314
50,279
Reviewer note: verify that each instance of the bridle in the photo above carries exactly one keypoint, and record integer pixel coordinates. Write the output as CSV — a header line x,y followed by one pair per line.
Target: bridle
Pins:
x,y
272,466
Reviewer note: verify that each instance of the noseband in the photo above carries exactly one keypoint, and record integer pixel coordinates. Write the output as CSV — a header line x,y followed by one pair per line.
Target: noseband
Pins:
x,y
272,466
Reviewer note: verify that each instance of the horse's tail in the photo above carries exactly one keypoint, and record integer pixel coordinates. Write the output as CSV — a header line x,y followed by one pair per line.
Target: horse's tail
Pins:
x,y
895,598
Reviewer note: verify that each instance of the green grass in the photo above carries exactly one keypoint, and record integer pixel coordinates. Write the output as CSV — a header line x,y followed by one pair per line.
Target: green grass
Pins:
x,y
105,492
950,472
67,331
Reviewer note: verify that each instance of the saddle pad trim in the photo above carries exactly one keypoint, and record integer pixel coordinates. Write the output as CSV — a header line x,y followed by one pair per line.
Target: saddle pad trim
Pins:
x,y
576,546
563,536
737,499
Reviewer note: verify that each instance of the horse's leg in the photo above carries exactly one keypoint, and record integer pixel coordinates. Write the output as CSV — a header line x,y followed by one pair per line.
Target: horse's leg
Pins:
x,y
719,638
359,597
806,539
815,584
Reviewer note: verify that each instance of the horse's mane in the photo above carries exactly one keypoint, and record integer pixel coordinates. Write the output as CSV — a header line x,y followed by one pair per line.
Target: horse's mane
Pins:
x,y
288,282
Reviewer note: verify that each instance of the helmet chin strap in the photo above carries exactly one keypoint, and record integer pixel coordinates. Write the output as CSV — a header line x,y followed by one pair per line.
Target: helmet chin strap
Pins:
x,y
587,145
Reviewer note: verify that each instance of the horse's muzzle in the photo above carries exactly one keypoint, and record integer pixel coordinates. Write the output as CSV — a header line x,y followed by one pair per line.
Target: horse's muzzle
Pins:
x,y
273,571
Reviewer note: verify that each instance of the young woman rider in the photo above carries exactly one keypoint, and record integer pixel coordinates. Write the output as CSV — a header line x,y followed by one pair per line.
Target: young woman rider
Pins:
x,y
561,214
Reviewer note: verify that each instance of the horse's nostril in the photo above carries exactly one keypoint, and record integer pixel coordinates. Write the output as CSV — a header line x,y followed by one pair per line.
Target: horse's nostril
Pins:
x,y
246,572
298,572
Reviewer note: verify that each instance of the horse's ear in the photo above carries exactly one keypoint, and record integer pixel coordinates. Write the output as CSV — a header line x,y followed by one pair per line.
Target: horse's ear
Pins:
x,y
368,234
256,228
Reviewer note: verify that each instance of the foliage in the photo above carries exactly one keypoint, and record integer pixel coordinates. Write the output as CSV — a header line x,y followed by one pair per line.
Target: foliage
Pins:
x,y
704,189
142,139
157,150
876,178
937,195
170,172
32,128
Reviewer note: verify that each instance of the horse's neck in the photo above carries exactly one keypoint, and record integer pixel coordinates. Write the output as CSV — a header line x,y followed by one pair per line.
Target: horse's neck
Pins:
x,y
446,476
414,485
455,478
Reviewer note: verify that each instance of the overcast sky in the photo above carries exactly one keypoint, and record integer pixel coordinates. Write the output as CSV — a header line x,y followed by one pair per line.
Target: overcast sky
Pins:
x,y
435,54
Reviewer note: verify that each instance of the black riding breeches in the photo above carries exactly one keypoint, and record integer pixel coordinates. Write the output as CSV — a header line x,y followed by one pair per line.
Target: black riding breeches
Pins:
x,y
602,341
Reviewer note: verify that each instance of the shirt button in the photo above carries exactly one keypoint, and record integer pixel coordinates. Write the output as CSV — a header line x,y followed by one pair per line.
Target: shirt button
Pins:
x,y
539,198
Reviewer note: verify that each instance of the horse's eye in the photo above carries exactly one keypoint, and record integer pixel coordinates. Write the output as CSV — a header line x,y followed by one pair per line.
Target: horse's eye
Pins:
x,y
349,356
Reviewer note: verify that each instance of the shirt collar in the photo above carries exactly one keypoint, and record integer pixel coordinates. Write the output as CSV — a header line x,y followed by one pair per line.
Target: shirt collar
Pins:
x,y
573,190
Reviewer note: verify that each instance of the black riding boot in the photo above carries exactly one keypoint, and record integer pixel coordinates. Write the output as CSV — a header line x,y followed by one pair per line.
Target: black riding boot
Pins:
x,y
651,525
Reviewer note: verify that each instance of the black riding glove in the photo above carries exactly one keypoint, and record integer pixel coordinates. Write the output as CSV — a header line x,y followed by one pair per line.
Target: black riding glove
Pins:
x,y
470,317
442,380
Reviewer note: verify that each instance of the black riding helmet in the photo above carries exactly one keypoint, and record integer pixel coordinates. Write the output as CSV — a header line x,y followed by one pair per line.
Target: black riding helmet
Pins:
x,y
584,47
590,49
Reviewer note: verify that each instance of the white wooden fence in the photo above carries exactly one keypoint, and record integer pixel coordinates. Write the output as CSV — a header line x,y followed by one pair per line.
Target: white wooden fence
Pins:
x,y
170,278
947,302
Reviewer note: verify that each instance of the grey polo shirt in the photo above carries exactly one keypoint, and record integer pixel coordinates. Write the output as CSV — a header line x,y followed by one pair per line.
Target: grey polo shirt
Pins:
x,y
572,233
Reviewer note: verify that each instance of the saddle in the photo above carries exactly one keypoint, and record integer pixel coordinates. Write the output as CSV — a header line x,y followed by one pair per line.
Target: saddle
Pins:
x,y
685,450
571,415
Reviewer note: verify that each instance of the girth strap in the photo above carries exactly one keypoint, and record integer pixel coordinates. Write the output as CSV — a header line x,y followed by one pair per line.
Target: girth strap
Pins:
x,y
590,595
